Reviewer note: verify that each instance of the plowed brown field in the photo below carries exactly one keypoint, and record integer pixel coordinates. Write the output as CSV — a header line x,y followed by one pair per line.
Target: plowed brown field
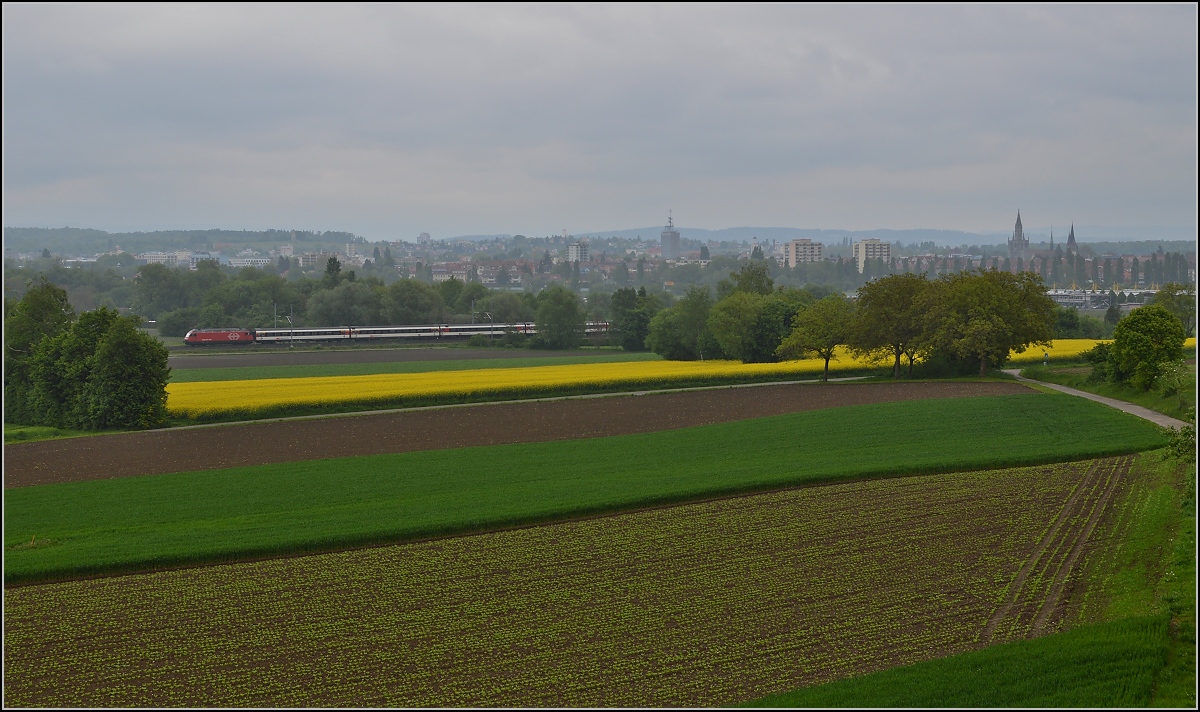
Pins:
x,y
698,605
189,449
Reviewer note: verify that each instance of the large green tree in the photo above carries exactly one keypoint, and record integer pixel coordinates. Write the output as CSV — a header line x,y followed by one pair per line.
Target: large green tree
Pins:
x,y
410,301
127,387
632,311
1180,300
754,278
732,321
348,304
819,330
102,372
560,318
62,366
983,316
1143,342
42,313
749,326
681,333
888,319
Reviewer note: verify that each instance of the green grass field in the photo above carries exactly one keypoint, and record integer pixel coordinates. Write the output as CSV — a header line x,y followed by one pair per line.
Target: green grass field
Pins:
x,y
147,522
190,375
1075,375
1103,665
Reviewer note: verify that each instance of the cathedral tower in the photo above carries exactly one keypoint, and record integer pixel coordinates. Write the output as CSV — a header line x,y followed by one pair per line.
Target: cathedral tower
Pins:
x,y
1018,244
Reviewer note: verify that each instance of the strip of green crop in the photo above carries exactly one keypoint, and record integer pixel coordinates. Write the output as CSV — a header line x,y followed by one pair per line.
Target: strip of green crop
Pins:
x,y
1104,665
149,522
193,375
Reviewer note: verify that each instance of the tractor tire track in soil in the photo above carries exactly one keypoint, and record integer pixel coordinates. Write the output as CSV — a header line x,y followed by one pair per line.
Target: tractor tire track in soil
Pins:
x,y
701,604
162,451
1052,603
1035,594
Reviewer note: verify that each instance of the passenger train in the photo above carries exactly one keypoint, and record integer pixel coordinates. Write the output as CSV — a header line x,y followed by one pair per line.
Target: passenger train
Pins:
x,y
432,332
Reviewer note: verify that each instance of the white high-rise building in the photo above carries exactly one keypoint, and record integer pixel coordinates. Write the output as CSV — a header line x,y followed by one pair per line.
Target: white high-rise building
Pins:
x,y
577,252
870,249
801,251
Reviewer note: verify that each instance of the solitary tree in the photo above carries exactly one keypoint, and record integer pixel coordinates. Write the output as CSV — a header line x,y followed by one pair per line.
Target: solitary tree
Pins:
x,y
819,330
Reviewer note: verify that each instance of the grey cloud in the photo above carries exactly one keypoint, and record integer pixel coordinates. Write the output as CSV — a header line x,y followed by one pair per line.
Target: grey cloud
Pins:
x,y
493,119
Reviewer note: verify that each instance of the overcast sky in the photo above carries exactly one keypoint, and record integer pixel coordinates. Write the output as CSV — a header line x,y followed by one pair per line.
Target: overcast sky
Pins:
x,y
394,120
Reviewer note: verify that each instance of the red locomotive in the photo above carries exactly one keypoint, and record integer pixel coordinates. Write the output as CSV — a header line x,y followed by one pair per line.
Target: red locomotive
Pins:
x,y
205,337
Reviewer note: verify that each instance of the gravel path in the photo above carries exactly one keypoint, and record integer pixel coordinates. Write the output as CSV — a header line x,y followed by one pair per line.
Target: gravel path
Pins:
x,y
1145,413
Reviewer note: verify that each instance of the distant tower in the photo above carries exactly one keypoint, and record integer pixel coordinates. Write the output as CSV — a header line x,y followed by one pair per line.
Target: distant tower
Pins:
x,y
1071,246
670,240
1018,245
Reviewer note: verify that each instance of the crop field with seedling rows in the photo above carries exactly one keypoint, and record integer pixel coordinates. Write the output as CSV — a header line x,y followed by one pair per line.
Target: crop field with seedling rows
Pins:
x,y
698,604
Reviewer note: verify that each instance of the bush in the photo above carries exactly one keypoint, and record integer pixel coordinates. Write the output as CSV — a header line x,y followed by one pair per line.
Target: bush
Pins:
x,y
1143,343
1098,357
479,341
1175,377
514,339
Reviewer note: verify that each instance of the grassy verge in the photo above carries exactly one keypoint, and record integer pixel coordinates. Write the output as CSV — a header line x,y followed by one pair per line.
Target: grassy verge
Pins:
x,y
31,433
148,522
192,375
1102,665
1075,375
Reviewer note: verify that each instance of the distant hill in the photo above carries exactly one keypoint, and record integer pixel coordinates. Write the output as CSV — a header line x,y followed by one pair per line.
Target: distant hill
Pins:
x,y
86,242
71,241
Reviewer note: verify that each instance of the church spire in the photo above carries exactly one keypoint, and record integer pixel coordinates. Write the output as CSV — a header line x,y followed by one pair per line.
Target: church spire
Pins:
x,y
1071,246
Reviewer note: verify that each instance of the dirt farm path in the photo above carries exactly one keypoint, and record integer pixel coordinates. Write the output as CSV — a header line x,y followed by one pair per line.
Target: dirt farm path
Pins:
x,y
163,451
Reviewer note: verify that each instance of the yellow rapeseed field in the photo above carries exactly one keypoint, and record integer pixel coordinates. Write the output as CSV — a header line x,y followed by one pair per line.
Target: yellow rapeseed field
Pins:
x,y
1068,348
213,398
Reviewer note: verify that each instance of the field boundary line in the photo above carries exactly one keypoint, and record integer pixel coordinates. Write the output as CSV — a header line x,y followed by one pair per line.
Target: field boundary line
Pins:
x,y
1120,467
1018,584
414,409
1155,417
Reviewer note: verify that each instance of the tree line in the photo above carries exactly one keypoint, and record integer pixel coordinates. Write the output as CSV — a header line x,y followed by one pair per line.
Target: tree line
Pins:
x,y
954,323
